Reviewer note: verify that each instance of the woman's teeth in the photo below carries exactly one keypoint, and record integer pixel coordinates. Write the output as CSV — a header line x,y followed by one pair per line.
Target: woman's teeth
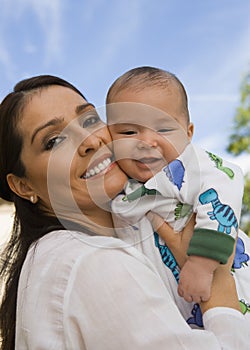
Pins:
x,y
97,169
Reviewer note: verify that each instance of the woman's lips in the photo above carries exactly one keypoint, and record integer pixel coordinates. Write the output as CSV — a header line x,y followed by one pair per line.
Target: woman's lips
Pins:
x,y
97,167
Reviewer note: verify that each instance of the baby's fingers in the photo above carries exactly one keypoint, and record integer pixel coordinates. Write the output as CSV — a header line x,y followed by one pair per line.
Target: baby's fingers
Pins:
x,y
193,296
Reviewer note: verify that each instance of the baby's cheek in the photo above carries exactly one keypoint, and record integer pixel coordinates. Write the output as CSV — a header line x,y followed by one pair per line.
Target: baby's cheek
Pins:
x,y
178,142
123,150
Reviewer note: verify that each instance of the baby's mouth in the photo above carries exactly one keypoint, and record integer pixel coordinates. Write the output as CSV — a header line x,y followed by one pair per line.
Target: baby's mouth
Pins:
x,y
149,160
97,168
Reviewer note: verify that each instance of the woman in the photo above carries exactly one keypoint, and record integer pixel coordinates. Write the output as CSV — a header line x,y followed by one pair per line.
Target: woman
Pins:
x,y
79,287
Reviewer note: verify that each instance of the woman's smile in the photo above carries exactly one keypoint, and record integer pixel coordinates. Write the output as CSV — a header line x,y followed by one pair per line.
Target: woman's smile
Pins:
x,y
98,167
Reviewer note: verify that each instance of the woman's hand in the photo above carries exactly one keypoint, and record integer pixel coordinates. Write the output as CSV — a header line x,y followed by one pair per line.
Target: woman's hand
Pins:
x,y
223,292
177,242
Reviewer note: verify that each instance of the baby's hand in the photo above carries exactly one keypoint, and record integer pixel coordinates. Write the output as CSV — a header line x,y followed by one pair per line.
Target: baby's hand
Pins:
x,y
196,278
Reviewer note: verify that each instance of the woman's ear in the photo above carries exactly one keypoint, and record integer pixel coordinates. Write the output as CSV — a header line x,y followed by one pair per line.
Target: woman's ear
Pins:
x,y
190,131
20,187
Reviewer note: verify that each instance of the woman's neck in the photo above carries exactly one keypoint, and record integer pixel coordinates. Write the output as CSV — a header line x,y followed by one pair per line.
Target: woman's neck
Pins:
x,y
98,221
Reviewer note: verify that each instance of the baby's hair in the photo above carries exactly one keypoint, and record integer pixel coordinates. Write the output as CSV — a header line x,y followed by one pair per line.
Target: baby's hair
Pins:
x,y
140,78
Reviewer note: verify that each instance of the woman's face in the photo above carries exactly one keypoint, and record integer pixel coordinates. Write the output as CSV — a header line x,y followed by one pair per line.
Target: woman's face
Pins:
x,y
66,152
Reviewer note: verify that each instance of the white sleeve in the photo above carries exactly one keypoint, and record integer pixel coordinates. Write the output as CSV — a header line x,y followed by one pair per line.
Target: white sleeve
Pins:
x,y
116,300
219,192
217,199
226,325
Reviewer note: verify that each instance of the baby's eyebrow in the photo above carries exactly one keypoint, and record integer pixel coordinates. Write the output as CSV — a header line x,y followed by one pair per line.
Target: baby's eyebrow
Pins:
x,y
125,124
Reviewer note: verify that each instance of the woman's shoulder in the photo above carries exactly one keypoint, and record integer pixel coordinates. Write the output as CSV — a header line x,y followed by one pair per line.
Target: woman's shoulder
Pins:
x,y
69,243
75,245
70,260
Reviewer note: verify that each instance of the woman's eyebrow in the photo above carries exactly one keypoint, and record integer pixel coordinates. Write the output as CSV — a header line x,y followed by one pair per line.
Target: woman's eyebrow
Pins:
x,y
81,108
52,122
55,121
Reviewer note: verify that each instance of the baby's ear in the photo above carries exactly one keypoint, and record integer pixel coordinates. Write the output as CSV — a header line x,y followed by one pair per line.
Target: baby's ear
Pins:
x,y
190,131
19,186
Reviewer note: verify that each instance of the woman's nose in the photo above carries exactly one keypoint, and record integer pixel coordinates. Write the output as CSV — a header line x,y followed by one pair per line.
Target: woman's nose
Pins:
x,y
90,142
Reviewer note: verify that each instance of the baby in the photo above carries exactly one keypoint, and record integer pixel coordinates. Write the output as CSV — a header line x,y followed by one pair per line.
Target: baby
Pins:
x,y
148,118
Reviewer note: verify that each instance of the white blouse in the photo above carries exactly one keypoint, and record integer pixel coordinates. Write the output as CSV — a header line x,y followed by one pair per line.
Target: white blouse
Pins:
x,y
93,293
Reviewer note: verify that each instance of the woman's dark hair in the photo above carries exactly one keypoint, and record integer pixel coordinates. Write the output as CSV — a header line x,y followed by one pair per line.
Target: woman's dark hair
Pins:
x,y
30,223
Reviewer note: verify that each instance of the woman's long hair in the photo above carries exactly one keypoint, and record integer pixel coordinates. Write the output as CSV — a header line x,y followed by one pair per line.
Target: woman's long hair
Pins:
x,y
30,223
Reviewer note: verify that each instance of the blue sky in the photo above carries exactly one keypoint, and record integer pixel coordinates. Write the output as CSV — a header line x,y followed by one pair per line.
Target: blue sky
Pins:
x,y
91,42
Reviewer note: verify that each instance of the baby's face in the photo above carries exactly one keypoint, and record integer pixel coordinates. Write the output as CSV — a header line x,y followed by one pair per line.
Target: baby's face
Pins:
x,y
148,128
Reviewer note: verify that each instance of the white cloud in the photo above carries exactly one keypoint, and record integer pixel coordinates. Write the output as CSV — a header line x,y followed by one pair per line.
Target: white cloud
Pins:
x,y
119,28
48,14
212,142
90,8
217,143
30,48
243,161
214,78
223,56
5,57
6,61
215,97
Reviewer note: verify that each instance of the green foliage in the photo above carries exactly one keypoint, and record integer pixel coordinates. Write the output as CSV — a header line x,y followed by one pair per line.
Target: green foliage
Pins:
x,y
245,217
239,142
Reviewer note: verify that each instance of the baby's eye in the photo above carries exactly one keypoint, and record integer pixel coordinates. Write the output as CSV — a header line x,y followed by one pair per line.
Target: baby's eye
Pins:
x,y
128,132
53,142
163,131
91,120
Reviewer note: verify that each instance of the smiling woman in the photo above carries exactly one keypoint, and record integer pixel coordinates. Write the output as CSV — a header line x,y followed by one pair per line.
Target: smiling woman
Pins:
x,y
44,114
69,283
56,131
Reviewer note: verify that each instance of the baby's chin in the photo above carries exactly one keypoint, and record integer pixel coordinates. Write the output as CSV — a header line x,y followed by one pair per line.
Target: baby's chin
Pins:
x,y
141,178
139,174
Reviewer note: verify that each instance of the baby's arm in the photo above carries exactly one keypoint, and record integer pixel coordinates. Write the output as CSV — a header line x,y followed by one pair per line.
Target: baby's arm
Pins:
x,y
217,210
196,278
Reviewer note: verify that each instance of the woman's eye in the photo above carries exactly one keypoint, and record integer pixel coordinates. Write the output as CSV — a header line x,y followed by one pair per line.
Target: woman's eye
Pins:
x,y
55,141
91,120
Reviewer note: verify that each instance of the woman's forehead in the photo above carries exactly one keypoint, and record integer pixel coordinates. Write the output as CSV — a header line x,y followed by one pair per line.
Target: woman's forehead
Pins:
x,y
52,101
